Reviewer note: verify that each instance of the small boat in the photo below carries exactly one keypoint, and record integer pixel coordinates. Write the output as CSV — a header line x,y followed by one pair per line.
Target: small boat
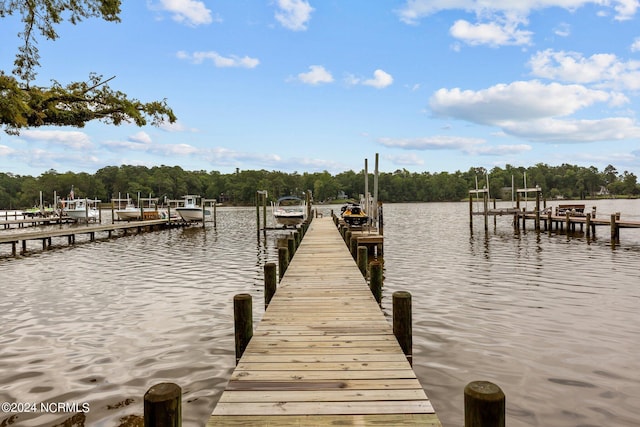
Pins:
x,y
131,212
354,214
126,210
189,210
289,211
80,208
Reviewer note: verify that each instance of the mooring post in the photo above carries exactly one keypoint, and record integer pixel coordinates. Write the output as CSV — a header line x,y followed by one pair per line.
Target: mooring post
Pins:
x,y
269,282
363,259
537,220
484,405
353,247
568,221
291,245
470,210
588,224
243,322
163,406
283,261
375,282
614,228
402,323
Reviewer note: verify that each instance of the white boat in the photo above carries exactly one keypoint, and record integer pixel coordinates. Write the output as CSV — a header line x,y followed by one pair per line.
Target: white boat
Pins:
x,y
289,211
125,209
189,209
128,211
84,209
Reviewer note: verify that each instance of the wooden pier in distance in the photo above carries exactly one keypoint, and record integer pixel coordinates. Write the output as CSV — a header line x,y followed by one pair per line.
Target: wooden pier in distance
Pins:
x,y
47,235
323,353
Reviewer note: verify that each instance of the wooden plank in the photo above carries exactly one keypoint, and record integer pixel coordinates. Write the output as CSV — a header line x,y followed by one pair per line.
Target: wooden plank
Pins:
x,y
403,420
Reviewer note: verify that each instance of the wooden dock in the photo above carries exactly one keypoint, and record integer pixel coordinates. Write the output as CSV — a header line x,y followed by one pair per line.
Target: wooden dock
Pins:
x,y
323,353
70,233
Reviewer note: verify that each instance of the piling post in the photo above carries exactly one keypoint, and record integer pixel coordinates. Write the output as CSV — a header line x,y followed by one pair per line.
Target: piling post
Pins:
x,y
470,210
291,245
269,282
363,259
485,200
353,247
380,219
243,322
537,220
484,405
588,224
163,406
113,216
375,283
614,229
402,327
568,221
283,261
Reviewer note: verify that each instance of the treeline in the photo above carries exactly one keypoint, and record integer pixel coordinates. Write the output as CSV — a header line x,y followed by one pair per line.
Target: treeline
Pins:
x,y
239,188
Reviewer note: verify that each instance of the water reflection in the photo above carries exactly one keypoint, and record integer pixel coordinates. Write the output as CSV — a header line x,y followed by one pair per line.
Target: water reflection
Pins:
x,y
539,314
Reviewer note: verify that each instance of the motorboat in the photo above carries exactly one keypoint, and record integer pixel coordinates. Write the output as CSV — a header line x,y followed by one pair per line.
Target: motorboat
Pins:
x,y
126,210
289,211
354,214
189,209
84,209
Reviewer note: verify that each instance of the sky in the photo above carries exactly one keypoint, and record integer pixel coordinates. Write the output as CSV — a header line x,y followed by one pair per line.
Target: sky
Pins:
x,y
321,85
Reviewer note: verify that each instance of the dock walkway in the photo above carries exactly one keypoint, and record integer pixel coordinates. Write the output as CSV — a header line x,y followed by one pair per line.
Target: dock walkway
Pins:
x,y
324,353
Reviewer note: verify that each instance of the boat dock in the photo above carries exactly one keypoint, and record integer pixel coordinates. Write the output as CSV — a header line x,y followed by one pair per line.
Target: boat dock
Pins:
x,y
46,236
567,217
323,353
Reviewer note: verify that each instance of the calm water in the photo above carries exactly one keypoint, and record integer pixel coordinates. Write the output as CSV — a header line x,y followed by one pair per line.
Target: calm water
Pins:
x,y
553,320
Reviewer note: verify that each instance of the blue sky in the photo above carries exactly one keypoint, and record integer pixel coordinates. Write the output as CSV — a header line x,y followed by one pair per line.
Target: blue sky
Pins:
x,y
313,85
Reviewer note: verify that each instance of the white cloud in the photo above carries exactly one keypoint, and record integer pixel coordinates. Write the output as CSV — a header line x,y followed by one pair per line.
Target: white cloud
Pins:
x,y
532,110
317,74
553,130
294,14
174,149
562,30
492,34
189,12
380,80
414,10
71,139
474,146
411,159
6,151
219,60
140,137
604,70
522,100
635,46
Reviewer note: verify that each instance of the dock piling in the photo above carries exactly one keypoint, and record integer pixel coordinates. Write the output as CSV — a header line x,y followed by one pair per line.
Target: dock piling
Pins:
x,y
243,323
402,327
283,261
363,259
484,405
375,283
269,282
163,406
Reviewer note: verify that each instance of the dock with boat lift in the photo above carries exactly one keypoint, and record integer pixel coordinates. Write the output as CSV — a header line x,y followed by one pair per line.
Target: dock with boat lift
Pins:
x,y
323,353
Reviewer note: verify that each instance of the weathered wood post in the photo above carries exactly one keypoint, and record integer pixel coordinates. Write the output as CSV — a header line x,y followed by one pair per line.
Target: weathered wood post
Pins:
x,y
470,210
484,405
353,247
363,259
283,261
588,224
269,282
113,215
380,219
402,328
376,278
291,245
537,220
243,322
485,202
163,406
614,229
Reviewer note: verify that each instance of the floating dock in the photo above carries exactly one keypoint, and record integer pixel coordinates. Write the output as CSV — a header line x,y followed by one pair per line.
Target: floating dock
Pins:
x,y
323,353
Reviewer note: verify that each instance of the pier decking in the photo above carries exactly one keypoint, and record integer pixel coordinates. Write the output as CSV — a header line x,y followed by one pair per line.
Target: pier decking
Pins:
x,y
323,353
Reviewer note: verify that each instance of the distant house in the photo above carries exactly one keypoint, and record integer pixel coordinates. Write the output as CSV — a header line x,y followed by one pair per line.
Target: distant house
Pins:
x,y
341,195
603,191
